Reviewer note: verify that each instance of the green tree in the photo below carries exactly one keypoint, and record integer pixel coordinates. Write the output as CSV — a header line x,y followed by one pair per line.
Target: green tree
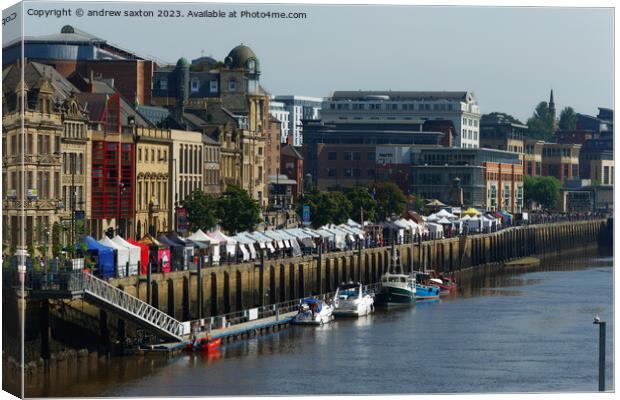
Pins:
x,y
360,197
508,117
419,205
57,233
325,207
310,199
568,119
543,190
390,200
541,124
237,211
202,210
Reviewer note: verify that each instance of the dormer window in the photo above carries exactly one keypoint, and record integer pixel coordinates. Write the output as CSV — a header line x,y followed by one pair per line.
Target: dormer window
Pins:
x,y
194,85
163,84
251,65
232,85
213,86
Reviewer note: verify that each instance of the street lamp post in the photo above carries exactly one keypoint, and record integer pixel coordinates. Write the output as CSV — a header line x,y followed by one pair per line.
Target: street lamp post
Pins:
x,y
601,352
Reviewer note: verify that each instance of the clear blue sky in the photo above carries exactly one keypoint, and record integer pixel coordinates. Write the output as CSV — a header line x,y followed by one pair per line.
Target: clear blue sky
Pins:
x,y
509,57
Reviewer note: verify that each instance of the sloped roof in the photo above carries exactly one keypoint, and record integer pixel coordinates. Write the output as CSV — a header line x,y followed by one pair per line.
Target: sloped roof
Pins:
x,y
290,151
95,105
34,76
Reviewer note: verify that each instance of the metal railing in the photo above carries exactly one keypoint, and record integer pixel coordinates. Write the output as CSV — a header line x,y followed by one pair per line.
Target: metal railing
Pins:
x,y
266,311
132,305
44,281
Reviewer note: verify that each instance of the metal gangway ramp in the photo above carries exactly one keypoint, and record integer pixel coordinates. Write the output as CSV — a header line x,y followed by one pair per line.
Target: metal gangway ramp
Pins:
x,y
142,313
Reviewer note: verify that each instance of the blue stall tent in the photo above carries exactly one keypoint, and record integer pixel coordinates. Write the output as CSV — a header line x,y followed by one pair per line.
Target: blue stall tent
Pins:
x,y
105,257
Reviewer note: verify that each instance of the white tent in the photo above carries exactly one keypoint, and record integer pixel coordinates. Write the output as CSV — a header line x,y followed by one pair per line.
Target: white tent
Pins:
x,y
122,255
435,230
444,221
200,236
465,217
474,224
350,222
445,214
432,218
487,222
134,254
276,238
229,243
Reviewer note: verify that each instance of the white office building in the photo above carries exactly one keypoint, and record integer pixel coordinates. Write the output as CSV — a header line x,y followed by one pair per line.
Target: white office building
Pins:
x,y
300,108
392,107
278,110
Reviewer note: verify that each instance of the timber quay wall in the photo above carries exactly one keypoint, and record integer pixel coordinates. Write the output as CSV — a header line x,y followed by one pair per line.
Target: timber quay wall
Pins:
x,y
230,288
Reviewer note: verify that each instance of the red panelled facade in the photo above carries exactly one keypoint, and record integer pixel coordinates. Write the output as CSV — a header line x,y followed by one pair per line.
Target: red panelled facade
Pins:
x,y
112,197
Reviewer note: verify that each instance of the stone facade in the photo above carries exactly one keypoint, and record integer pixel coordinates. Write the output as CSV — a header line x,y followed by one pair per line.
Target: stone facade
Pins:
x,y
153,154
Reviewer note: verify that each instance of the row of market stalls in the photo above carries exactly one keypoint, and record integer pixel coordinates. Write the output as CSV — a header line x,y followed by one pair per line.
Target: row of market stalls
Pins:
x,y
118,257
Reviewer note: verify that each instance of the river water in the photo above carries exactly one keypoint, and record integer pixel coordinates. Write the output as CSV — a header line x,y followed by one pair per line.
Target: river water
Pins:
x,y
512,332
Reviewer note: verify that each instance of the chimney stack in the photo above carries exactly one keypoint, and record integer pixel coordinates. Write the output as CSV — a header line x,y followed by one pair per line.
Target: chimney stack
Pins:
x,y
91,82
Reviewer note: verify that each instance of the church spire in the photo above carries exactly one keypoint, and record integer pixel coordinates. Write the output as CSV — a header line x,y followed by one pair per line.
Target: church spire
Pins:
x,y
552,110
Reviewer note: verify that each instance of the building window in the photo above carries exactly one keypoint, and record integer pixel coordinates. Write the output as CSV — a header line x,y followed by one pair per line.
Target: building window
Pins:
x,y
195,85
356,172
213,86
356,155
163,84
348,172
331,172
371,156
565,171
575,170
370,173
538,168
332,155
348,155
529,168
232,85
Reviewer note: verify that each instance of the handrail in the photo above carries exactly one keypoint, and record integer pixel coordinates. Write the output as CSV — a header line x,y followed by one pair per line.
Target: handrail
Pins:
x,y
132,305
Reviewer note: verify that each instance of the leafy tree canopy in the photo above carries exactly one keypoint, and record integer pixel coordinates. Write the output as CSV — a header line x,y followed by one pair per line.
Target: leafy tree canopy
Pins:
x,y
201,210
361,198
390,200
543,190
541,124
508,117
237,211
326,207
568,119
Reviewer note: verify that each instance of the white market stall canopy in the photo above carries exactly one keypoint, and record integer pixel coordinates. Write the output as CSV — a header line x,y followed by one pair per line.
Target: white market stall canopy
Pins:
x,y
122,254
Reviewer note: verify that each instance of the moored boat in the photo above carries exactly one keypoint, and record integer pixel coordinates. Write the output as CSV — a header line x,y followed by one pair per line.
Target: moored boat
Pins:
x,y
204,344
397,288
351,300
445,283
424,288
313,311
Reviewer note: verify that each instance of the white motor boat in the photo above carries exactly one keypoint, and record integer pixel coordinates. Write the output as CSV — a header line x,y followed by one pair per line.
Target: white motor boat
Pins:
x,y
351,300
313,311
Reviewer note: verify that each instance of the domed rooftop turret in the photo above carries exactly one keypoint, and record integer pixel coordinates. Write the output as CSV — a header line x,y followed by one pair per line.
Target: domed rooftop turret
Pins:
x,y
242,57
67,29
183,62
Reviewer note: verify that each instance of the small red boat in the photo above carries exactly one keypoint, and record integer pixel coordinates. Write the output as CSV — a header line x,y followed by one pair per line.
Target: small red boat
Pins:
x,y
204,344
445,283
